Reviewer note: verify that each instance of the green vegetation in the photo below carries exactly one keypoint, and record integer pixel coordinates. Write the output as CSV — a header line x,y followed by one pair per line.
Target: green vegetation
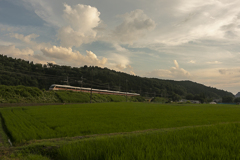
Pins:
x,y
22,94
29,123
81,97
122,131
15,72
212,142
160,100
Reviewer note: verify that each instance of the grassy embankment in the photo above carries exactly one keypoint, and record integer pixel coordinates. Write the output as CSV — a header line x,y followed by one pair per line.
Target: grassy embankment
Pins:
x,y
22,94
171,140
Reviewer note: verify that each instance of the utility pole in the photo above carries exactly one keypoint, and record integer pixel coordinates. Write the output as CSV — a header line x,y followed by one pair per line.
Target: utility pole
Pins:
x,y
126,90
66,81
82,81
91,87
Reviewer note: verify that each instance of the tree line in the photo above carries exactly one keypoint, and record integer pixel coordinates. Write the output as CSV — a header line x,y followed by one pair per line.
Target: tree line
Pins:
x,y
15,72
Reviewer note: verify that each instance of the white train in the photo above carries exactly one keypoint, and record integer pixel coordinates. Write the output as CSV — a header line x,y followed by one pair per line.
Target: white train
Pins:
x,y
88,90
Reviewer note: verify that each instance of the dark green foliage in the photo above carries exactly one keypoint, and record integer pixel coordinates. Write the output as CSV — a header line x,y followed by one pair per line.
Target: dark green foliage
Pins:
x,y
15,72
227,99
137,99
189,96
160,100
237,100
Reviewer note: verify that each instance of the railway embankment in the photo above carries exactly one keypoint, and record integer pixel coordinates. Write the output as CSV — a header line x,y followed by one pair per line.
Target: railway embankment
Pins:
x,y
22,95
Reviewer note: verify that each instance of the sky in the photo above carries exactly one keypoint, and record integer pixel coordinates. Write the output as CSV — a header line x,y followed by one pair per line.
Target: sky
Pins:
x,y
175,39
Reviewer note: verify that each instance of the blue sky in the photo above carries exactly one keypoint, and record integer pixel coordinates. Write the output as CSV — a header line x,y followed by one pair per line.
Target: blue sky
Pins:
x,y
175,39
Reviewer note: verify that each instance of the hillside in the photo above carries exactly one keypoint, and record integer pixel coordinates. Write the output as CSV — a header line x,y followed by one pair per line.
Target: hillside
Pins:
x,y
15,72
238,94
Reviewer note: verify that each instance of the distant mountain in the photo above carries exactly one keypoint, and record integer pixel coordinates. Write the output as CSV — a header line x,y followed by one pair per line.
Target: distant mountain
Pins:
x,y
238,94
20,72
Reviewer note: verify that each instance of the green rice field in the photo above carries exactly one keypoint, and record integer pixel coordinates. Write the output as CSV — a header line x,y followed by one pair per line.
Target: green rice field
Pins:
x,y
43,122
211,143
124,131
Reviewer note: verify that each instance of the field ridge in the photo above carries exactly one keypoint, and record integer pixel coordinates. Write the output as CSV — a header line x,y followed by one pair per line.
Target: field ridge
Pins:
x,y
126,133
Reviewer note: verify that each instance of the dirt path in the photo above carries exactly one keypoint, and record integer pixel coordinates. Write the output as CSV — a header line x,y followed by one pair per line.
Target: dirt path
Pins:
x,y
123,133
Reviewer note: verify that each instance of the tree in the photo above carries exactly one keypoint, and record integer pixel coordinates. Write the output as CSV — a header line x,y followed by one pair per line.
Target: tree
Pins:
x,y
189,96
227,99
237,100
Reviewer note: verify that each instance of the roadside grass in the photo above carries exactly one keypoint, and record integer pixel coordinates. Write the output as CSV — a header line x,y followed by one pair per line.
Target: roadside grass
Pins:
x,y
44,122
212,142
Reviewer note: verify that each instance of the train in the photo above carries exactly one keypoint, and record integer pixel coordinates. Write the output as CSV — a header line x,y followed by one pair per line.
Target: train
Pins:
x,y
56,87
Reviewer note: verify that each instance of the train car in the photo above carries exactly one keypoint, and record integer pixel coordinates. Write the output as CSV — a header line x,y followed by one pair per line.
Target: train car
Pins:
x,y
56,87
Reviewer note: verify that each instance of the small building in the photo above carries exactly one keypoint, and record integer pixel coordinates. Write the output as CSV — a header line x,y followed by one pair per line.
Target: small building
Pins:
x,y
212,103
195,101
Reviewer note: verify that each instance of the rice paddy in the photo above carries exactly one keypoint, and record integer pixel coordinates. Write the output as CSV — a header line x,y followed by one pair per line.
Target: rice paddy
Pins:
x,y
168,131
29,123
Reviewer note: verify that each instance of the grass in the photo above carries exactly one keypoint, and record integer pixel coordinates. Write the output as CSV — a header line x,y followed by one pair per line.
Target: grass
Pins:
x,y
43,122
213,142
23,94
81,97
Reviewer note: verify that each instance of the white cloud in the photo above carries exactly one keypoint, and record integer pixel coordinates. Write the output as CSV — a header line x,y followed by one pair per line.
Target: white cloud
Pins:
x,y
222,78
200,20
192,61
26,54
45,10
15,52
81,19
26,39
135,25
176,73
29,40
214,62
120,61
75,58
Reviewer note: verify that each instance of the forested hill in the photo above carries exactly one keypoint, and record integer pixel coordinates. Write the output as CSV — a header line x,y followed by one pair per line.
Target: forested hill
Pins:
x,y
20,72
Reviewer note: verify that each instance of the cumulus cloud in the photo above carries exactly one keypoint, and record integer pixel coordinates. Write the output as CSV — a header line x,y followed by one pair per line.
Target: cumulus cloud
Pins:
x,y
81,19
29,39
173,73
11,50
26,54
120,61
67,55
134,26
46,11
